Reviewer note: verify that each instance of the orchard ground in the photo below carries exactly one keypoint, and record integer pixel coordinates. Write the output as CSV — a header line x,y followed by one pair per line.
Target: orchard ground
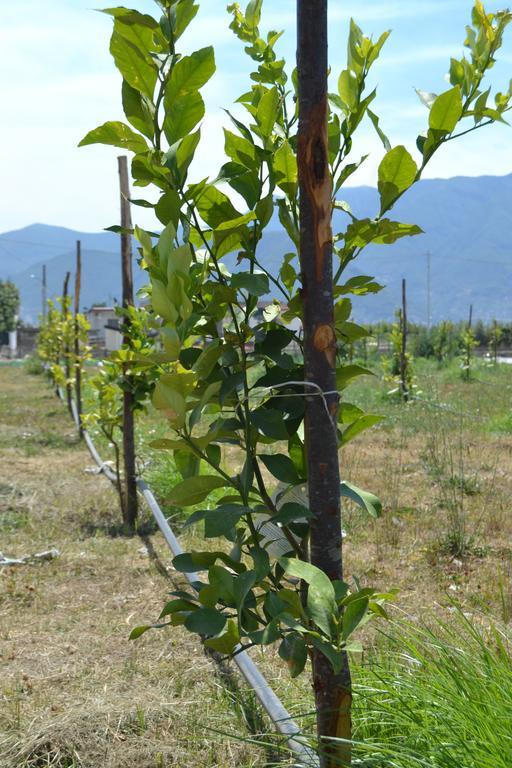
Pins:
x,y
75,692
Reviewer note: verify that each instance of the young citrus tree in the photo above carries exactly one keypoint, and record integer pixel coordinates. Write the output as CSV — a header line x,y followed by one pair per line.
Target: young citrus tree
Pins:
x,y
252,401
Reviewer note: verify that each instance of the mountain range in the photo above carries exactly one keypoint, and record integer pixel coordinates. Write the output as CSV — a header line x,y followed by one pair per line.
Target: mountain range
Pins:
x,y
467,224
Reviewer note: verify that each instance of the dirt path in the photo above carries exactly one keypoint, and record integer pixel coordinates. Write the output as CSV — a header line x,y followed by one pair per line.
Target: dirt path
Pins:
x,y
74,692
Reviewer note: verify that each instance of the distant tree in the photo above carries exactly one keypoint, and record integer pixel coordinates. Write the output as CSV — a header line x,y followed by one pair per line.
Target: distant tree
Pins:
x,y
9,305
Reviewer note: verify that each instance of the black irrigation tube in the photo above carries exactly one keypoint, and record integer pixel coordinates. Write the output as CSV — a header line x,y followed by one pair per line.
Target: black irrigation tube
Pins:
x,y
282,720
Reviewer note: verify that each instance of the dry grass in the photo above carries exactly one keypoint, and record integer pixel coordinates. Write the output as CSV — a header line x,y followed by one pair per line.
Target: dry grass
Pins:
x,y
74,691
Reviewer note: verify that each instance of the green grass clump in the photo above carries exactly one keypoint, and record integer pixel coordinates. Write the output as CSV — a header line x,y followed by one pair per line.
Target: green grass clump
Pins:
x,y
441,699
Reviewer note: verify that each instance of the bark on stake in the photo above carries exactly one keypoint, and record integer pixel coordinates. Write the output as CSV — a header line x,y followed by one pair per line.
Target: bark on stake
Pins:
x,y
332,691
78,364
131,500
404,389
67,350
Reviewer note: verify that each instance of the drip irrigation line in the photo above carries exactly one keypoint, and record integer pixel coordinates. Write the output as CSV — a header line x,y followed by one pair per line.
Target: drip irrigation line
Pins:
x,y
281,718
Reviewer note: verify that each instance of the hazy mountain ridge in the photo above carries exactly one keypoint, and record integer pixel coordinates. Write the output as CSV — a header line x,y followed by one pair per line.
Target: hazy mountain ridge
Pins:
x,y
467,223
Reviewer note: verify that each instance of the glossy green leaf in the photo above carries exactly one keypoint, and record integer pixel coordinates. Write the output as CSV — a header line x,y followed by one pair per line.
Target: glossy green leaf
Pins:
x,y
206,622
293,650
117,135
397,172
139,71
368,501
446,111
322,606
362,424
285,169
227,642
281,467
256,284
193,490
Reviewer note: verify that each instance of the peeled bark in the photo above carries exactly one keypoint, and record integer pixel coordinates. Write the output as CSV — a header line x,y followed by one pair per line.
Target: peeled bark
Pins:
x,y
332,691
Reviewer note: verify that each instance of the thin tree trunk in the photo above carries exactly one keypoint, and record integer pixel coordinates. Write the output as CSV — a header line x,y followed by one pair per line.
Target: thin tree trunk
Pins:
x,y
332,691
67,350
131,500
78,365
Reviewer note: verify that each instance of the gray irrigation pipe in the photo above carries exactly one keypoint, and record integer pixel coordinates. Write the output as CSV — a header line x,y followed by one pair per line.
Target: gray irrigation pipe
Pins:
x,y
268,699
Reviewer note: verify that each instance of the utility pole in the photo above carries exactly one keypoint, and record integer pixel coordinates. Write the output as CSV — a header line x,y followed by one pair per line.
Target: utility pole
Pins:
x,y
43,291
78,364
130,509
332,690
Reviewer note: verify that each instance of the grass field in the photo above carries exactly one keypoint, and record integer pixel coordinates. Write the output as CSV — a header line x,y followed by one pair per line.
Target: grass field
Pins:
x,y
74,692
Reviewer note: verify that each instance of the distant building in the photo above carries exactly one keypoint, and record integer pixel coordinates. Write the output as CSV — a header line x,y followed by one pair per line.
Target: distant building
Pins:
x,y
98,318
113,335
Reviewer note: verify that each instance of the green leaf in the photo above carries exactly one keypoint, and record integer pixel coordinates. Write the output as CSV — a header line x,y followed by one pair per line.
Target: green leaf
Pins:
x,y
208,358
193,490
397,172
190,74
267,111
182,116
256,284
270,422
135,68
215,207
353,615
346,373
181,15
285,169
189,562
138,631
137,110
293,650
348,88
322,606
358,426
446,111
227,642
380,133
292,512
118,135
368,501
282,467
206,622
240,149
221,521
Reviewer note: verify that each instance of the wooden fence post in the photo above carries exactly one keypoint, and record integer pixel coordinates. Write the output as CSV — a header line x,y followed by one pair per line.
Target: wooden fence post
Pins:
x,y
78,366
404,387
67,348
131,499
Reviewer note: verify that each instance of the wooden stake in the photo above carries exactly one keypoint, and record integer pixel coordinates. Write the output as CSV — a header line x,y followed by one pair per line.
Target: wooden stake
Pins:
x,y
332,691
67,350
78,365
404,387
131,501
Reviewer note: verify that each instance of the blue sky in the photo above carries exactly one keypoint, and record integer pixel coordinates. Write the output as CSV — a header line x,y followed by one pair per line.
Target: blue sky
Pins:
x,y
57,82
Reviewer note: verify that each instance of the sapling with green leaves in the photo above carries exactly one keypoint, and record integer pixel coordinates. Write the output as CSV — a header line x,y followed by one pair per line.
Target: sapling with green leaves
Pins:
x,y
233,381
495,337
9,305
134,367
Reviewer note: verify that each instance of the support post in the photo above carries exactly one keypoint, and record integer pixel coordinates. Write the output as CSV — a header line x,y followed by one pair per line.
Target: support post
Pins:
x,y
43,291
332,691
78,365
67,348
404,387
131,500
